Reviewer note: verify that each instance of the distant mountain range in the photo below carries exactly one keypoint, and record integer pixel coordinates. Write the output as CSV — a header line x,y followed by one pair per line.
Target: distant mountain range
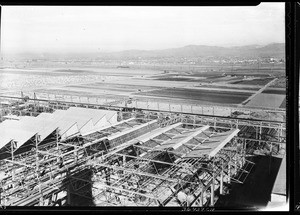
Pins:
x,y
275,50
271,50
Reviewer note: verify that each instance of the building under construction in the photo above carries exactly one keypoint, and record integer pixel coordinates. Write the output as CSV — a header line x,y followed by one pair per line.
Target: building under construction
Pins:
x,y
60,153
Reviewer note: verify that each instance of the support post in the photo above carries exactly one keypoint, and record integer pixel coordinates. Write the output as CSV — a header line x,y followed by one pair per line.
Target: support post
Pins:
x,y
221,181
235,165
260,130
37,170
212,193
281,130
34,101
229,173
57,137
201,198
212,186
12,158
244,152
68,195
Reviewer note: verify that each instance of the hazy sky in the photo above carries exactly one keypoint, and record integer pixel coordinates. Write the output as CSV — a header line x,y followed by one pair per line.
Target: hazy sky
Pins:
x,y
99,28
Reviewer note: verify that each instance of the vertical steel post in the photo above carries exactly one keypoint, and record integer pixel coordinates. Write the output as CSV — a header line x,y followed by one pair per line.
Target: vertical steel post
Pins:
x,y
37,170
215,122
221,181
212,188
235,164
270,163
212,193
69,194
57,135
229,172
244,152
260,130
201,197
12,158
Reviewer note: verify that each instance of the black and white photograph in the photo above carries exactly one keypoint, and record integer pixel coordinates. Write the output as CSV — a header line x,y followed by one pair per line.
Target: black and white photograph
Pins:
x,y
182,108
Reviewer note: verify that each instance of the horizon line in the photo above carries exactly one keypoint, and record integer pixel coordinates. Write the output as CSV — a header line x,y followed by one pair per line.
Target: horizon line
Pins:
x,y
133,49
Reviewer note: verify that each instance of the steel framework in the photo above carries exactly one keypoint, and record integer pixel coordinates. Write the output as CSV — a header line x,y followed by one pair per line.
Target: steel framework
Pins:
x,y
130,164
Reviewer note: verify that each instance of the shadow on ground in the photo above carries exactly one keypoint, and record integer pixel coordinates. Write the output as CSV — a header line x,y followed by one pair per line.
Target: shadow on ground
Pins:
x,y
256,190
80,192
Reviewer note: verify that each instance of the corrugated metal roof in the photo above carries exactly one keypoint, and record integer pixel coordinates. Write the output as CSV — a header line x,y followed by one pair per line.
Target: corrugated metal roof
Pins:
x,y
213,145
69,122
10,130
21,131
176,142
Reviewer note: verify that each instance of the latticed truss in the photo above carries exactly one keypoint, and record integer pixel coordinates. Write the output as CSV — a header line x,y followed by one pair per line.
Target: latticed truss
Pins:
x,y
153,175
143,161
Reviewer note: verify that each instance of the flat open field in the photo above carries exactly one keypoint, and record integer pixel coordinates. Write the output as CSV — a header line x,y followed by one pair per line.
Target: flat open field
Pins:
x,y
229,86
275,91
263,81
200,85
283,104
200,95
266,100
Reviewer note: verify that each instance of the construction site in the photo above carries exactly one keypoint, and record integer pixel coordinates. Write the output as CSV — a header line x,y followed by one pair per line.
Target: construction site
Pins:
x,y
62,153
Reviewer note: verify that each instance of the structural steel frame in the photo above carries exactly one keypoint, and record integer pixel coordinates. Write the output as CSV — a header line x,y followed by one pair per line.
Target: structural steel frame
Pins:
x,y
75,153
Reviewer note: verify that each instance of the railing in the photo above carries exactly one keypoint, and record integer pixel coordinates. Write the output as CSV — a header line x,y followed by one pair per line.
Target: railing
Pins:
x,y
276,115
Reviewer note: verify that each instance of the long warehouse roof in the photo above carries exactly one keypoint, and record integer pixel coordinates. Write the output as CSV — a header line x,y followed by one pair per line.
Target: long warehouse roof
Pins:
x,y
69,122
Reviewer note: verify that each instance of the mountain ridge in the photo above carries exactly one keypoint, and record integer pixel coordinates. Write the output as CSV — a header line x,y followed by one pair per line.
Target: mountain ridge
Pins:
x,y
275,50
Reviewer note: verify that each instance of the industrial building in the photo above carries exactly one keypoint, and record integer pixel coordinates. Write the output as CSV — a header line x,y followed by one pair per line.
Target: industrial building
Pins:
x,y
128,158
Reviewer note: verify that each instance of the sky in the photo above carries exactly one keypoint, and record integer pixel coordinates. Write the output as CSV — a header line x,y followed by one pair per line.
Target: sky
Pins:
x,y
65,29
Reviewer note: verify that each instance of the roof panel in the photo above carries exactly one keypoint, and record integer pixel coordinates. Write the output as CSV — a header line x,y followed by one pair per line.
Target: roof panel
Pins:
x,y
182,139
47,123
213,145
